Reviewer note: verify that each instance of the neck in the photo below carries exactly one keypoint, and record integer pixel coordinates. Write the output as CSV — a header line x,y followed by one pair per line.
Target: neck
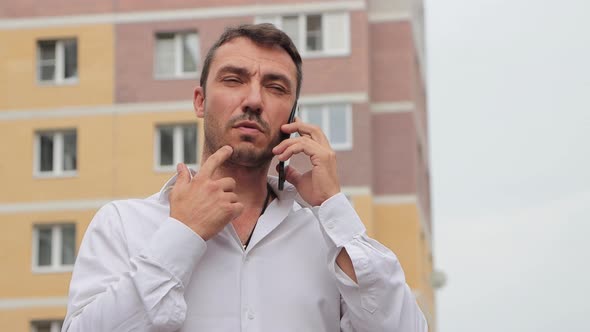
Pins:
x,y
251,182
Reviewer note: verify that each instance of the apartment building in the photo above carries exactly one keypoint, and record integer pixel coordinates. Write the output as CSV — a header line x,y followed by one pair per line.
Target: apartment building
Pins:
x,y
95,105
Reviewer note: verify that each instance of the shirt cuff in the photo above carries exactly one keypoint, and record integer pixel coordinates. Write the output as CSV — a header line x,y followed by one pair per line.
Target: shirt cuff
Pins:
x,y
177,248
339,220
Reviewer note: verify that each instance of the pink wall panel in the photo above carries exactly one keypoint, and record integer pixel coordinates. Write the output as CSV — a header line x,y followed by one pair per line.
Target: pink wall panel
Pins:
x,y
142,5
394,153
135,61
392,62
32,8
342,74
135,80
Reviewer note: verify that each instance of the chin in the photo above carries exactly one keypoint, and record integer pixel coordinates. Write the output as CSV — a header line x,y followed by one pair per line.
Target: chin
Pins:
x,y
247,155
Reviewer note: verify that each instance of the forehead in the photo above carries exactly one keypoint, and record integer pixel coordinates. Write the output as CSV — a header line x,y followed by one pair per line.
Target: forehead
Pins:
x,y
242,51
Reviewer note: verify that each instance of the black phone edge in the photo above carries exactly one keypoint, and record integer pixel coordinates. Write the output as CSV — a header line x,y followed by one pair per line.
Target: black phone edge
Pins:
x,y
284,137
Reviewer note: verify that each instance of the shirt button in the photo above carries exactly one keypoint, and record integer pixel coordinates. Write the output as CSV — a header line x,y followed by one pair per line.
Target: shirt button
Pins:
x,y
250,316
330,225
363,264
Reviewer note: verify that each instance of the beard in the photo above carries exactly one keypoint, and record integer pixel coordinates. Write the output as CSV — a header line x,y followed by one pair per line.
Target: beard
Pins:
x,y
246,153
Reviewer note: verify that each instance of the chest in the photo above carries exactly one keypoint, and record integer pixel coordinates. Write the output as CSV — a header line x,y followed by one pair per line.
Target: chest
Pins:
x,y
244,225
281,283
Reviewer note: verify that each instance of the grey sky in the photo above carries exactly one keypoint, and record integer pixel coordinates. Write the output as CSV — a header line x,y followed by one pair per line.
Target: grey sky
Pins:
x,y
509,94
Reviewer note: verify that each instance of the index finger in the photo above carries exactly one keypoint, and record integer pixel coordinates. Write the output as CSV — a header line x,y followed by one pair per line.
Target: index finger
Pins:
x,y
306,129
215,160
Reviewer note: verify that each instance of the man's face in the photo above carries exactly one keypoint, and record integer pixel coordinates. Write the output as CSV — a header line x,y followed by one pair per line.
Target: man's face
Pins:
x,y
250,92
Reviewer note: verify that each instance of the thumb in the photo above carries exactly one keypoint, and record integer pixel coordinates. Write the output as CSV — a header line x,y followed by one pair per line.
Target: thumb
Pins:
x,y
182,171
292,175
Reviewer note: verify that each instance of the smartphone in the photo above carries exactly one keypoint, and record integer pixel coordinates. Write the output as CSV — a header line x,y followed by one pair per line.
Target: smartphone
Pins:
x,y
284,136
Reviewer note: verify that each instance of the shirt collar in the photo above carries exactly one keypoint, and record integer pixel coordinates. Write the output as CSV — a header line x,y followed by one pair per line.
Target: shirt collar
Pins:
x,y
288,193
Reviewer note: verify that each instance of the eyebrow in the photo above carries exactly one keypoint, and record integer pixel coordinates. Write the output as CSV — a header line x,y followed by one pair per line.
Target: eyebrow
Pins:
x,y
230,69
243,72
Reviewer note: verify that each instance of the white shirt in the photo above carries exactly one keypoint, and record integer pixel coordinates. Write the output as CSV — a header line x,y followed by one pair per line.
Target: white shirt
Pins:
x,y
138,269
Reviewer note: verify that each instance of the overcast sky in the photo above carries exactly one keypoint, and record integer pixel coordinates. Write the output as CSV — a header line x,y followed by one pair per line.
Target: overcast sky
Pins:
x,y
509,98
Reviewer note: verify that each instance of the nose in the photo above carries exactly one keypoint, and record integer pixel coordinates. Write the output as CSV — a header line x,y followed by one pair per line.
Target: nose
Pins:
x,y
253,102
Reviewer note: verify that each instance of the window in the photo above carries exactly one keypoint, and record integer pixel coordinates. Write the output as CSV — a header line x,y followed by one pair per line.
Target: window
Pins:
x,y
335,121
177,55
54,247
46,326
326,34
56,153
57,61
313,33
176,144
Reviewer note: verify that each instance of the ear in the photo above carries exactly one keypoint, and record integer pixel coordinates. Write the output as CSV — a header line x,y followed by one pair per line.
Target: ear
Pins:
x,y
199,102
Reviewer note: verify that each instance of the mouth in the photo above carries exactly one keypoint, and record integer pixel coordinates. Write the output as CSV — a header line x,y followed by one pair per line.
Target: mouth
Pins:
x,y
249,126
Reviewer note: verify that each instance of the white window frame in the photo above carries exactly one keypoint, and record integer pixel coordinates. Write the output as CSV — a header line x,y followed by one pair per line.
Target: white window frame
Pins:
x,y
60,63
325,109
179,72
58,152
56,249
55,325
177,146
301,44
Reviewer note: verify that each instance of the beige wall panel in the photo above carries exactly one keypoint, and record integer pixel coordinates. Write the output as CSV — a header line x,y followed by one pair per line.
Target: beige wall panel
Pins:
x,y
19,320
17,240
136,174
94,178
398,228
18,68
363,204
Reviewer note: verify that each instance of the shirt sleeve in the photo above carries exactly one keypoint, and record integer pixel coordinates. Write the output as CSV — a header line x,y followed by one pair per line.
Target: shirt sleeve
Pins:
x,y
113,291
381,301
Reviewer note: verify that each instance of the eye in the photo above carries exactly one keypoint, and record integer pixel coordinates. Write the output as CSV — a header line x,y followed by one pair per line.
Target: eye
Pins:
x,y
231,80
277,88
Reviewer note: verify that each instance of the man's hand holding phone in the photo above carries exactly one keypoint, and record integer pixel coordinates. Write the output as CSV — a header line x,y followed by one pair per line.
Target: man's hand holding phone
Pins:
x,y
321,182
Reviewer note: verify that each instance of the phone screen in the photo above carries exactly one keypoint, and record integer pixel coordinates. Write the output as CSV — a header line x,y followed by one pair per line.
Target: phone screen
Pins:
x,y
284,136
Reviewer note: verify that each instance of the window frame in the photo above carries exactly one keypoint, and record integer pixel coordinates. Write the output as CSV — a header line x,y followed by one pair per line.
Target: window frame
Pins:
x,y
57,265
58,154
55,325
59,63
326,110
177,147
179,72
301,44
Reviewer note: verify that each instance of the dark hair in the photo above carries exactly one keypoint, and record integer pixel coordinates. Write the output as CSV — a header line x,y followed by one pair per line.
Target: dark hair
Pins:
x,y
264,34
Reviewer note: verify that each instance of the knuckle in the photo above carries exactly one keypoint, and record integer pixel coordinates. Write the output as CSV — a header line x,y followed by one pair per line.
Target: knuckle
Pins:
x,y
314,128
227,208
212,186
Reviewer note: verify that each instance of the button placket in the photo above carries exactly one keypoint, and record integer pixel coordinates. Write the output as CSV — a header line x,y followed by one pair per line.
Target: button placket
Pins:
x,y
247,313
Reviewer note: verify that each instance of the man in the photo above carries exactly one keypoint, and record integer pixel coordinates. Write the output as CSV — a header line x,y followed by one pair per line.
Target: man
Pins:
x,y
225,250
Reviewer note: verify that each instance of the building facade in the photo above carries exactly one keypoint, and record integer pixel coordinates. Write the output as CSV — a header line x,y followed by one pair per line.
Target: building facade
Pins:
x,y
95,105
